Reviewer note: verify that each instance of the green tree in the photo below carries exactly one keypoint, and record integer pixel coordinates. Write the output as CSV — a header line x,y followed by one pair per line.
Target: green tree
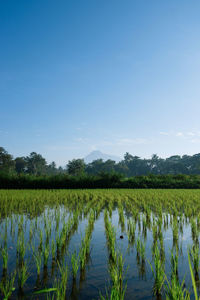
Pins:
x,y
7,164
51,168
20,165
76,167
36,164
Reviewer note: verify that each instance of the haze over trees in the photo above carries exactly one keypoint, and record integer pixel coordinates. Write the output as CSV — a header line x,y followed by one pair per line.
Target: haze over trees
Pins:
x,y
36,164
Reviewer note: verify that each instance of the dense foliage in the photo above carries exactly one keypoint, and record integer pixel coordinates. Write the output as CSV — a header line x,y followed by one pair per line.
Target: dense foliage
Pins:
x,y
106,180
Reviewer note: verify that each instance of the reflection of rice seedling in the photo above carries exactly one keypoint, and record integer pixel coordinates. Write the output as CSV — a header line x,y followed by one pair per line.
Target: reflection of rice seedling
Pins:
x,y
144,227
140,247
121,216
41,240
155,233
38,259
82,254
175,231
58,241
22,275
53,250
30,233
7,286
131,231
45,252
75,264
194,230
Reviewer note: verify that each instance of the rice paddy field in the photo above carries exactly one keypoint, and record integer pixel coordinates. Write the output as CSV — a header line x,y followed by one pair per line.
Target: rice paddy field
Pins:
x,y
99,244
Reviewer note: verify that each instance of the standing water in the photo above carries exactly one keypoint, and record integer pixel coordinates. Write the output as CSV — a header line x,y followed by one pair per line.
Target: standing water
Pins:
x,y
99,244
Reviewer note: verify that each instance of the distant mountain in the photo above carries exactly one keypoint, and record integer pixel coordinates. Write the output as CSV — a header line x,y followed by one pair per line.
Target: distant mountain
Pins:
x,y
99,155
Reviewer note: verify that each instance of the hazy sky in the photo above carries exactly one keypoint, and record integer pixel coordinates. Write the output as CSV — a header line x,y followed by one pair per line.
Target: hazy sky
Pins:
x,y
111,75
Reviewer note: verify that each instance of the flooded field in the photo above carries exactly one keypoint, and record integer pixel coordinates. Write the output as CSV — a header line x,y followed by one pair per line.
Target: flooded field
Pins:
x,y
99,244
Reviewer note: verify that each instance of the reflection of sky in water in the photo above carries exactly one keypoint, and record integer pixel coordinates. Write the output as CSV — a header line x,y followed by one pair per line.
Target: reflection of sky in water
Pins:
x,y
138,278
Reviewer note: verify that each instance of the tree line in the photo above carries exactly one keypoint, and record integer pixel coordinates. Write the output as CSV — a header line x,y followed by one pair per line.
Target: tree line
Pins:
x,y
36,164
132,172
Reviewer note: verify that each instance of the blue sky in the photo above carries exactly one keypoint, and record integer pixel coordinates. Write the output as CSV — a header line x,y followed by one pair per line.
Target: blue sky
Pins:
x,y
116,76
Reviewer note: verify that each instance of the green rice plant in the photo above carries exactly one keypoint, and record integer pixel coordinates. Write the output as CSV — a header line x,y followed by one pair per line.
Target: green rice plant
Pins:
x,y
4,255
7,286
159,226
155,233
110,236
117,277
174,263
37,255
75,264
23,275
193,280
91,220
195,256
198,222
175,290
48,234
158,271
47,290
162,250
61,285
21,249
